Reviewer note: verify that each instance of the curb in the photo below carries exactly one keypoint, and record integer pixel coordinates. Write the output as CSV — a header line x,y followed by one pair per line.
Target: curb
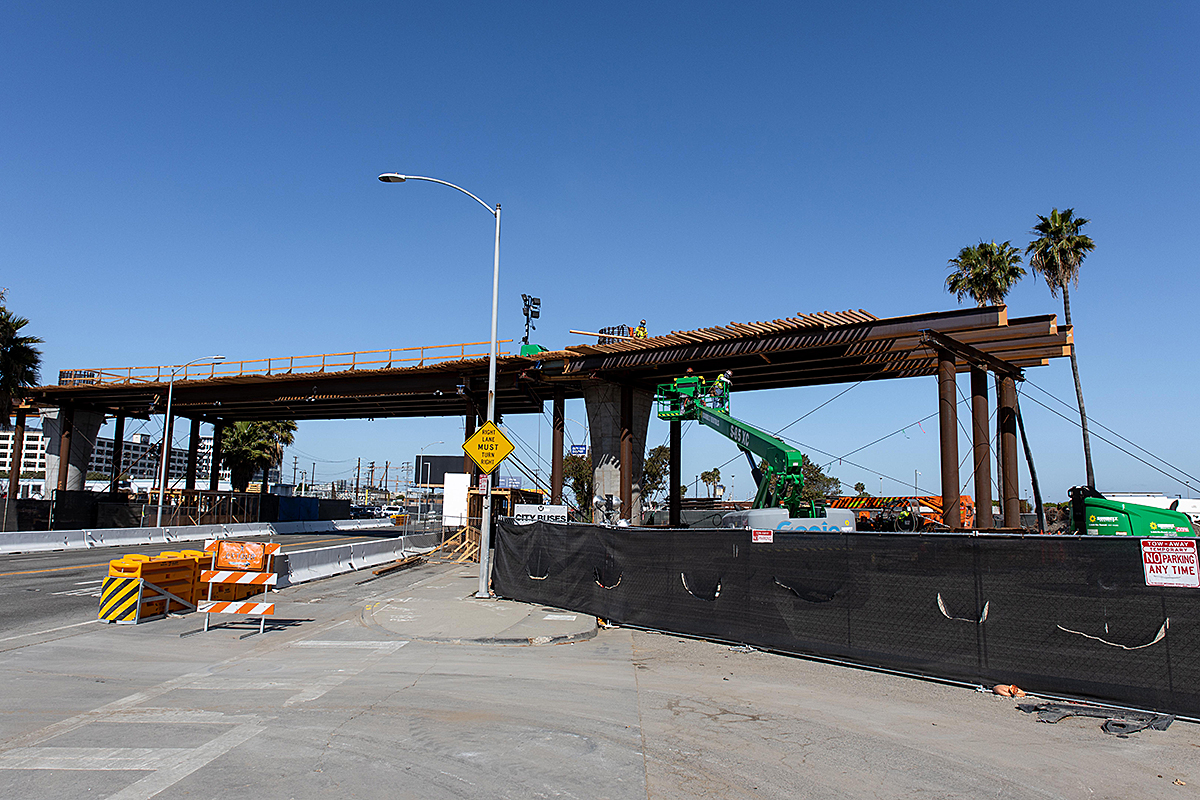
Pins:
x,y
523,641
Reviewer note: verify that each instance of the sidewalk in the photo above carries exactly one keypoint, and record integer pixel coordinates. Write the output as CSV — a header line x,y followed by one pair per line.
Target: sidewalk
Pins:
x,y
443,608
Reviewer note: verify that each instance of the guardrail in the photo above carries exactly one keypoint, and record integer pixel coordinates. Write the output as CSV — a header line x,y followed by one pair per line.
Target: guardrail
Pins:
x,y
285,365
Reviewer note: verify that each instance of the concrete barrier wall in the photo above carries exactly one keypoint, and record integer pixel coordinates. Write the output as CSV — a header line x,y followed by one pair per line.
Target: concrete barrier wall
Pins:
x,y
43,541
308,565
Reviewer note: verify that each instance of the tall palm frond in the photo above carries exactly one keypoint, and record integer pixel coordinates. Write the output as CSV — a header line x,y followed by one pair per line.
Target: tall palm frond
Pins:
x,y
985,272
20,361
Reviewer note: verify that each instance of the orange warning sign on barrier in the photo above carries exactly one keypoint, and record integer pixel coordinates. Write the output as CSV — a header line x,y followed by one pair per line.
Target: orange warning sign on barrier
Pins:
x,y
241,556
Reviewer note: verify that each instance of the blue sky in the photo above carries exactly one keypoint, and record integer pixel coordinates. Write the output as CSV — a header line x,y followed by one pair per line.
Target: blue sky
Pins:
x,y
186,178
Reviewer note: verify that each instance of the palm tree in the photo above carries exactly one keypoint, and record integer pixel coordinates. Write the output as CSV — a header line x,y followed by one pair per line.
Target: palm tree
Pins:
x,y
250,446
1056,255
20,361
243,448
985,272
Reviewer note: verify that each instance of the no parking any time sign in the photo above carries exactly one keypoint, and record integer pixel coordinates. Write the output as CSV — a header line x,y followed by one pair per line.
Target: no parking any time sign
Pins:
x,y
1170,562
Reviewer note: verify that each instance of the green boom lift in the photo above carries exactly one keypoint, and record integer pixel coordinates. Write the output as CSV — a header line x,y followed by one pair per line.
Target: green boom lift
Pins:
x,y
780,485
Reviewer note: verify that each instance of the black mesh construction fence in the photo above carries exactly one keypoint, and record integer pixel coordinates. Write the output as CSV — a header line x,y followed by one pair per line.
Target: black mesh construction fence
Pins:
x,y
1053,614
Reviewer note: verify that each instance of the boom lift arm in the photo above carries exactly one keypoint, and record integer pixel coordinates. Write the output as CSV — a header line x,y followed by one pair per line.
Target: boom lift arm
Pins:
x,y
781,483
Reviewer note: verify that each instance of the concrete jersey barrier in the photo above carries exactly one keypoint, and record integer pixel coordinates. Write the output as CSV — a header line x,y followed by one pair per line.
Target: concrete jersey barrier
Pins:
x,y
308,565
43,541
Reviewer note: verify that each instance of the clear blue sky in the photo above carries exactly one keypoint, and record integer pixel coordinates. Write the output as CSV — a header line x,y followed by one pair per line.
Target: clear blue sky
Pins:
x,y
184,178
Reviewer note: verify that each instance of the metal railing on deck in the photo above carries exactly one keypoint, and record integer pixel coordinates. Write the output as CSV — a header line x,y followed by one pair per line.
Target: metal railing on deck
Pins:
x,y
285,365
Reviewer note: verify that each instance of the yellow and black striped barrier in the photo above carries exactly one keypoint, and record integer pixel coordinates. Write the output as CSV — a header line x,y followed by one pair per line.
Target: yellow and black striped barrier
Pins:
x,y
128,601
121,600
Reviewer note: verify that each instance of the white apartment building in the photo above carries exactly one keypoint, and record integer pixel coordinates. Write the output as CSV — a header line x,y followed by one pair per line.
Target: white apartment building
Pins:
x,y
33,455
139,457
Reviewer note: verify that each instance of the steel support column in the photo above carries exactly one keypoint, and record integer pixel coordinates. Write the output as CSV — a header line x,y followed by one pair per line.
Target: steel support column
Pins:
x,y
16,457
981,448
66,418
626,452
469,422
948,438
1006,420
118,452
168,437
214,469
676,481
558,423
189,480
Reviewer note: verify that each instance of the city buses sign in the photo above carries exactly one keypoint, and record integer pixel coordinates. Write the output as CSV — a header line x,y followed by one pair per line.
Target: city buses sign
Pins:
x,y
487,447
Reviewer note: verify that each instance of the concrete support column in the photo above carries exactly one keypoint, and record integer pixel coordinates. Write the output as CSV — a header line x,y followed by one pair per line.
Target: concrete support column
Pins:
x,y
66,430
626,452
214,469
603,400
193,454
558,423
675,499
948,439
16,457
67,461
118,452
1007,423
981,455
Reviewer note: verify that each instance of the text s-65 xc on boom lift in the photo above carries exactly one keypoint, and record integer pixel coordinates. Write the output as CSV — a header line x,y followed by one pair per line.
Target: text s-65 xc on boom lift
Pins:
x,y
778,504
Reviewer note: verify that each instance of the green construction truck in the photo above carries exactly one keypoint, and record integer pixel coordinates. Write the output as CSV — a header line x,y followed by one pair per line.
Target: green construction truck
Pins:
x,y
1095,515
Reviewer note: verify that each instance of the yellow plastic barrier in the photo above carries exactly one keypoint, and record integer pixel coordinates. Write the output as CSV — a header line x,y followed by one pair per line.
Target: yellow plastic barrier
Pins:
x,y
174,574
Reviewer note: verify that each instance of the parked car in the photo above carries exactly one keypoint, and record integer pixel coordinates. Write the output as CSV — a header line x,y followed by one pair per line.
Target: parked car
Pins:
x,y
362,512
390,511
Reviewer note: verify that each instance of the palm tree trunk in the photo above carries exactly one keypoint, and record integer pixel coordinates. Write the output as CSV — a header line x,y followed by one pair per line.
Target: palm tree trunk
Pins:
x,y
1087,442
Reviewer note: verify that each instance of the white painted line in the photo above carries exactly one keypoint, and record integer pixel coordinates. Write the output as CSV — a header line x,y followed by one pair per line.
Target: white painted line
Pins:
x,y
559,616
89,583
48,630
359,645
169,775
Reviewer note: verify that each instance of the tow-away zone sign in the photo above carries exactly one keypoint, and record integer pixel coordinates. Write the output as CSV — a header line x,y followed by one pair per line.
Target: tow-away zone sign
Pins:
x,y
1170,562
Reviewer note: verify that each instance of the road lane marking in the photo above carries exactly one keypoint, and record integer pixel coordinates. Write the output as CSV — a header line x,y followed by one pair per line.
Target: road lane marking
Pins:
x,y
88,583
53,569
86,591
51,630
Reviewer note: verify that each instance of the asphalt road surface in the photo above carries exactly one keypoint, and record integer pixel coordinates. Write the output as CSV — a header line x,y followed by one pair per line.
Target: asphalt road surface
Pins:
x,y
63,587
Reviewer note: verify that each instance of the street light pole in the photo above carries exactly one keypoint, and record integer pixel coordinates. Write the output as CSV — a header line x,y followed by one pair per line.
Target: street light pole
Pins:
x,y
166,446
485,528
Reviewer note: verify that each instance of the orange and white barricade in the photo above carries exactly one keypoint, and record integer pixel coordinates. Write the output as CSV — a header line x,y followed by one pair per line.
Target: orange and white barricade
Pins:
x,y
239,565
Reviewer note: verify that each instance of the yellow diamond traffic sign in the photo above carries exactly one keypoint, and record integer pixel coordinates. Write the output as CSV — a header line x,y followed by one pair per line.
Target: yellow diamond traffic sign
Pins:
x,y
487,447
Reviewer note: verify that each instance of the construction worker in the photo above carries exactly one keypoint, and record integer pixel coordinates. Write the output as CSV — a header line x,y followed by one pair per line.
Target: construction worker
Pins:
x,y
720,388
640,331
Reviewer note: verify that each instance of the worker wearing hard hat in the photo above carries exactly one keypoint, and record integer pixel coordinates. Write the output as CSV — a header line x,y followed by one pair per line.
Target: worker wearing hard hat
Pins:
x,y
640,331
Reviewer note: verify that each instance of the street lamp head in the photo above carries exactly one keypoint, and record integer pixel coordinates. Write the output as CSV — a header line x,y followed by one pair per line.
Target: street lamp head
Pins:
x,y
393,177
216,358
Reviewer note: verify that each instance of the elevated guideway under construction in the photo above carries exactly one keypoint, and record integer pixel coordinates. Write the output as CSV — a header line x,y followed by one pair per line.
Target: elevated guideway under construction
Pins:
x,y
617,381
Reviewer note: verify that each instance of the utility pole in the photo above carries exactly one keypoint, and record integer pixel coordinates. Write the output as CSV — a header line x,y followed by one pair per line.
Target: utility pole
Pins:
x,y
357,472
294,460
370,482
313,478
386,465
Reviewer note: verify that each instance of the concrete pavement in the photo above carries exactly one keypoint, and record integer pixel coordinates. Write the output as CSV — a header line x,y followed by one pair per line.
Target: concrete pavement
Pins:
x,y
443,608
404,686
